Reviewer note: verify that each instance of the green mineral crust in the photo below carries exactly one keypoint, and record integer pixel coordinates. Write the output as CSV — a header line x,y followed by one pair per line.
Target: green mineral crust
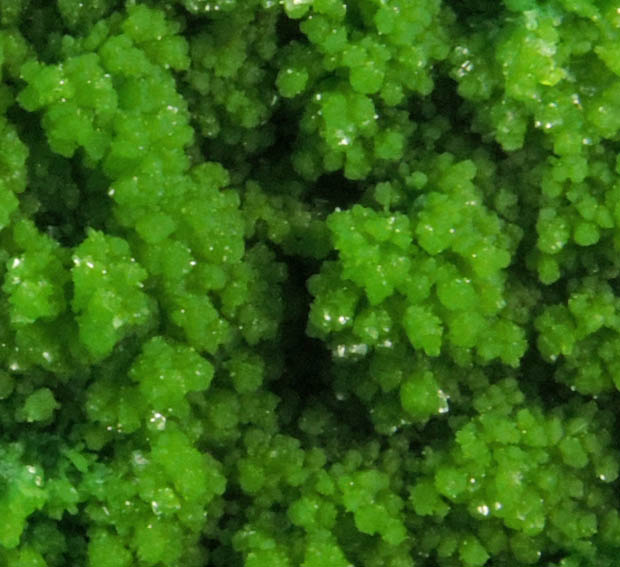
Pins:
x,y
309,283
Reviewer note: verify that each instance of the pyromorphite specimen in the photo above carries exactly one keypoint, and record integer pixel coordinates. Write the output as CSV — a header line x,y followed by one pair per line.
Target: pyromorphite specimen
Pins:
x,y
108,298
166,373
309,283
39,405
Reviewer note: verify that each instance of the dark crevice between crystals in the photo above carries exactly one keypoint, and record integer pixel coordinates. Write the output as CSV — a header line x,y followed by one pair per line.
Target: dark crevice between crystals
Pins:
x,y
308,363
448,104
536,380
62,209
334,190
474,13
287,30
306,359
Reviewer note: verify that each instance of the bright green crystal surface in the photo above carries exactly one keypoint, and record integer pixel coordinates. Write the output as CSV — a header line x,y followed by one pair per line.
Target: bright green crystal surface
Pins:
x,y
309,283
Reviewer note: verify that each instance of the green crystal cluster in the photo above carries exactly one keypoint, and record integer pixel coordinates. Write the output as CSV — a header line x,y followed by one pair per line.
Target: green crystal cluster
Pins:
x,y
309,283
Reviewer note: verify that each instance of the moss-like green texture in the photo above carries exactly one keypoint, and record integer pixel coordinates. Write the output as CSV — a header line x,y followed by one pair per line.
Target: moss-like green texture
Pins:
x,y
309,283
